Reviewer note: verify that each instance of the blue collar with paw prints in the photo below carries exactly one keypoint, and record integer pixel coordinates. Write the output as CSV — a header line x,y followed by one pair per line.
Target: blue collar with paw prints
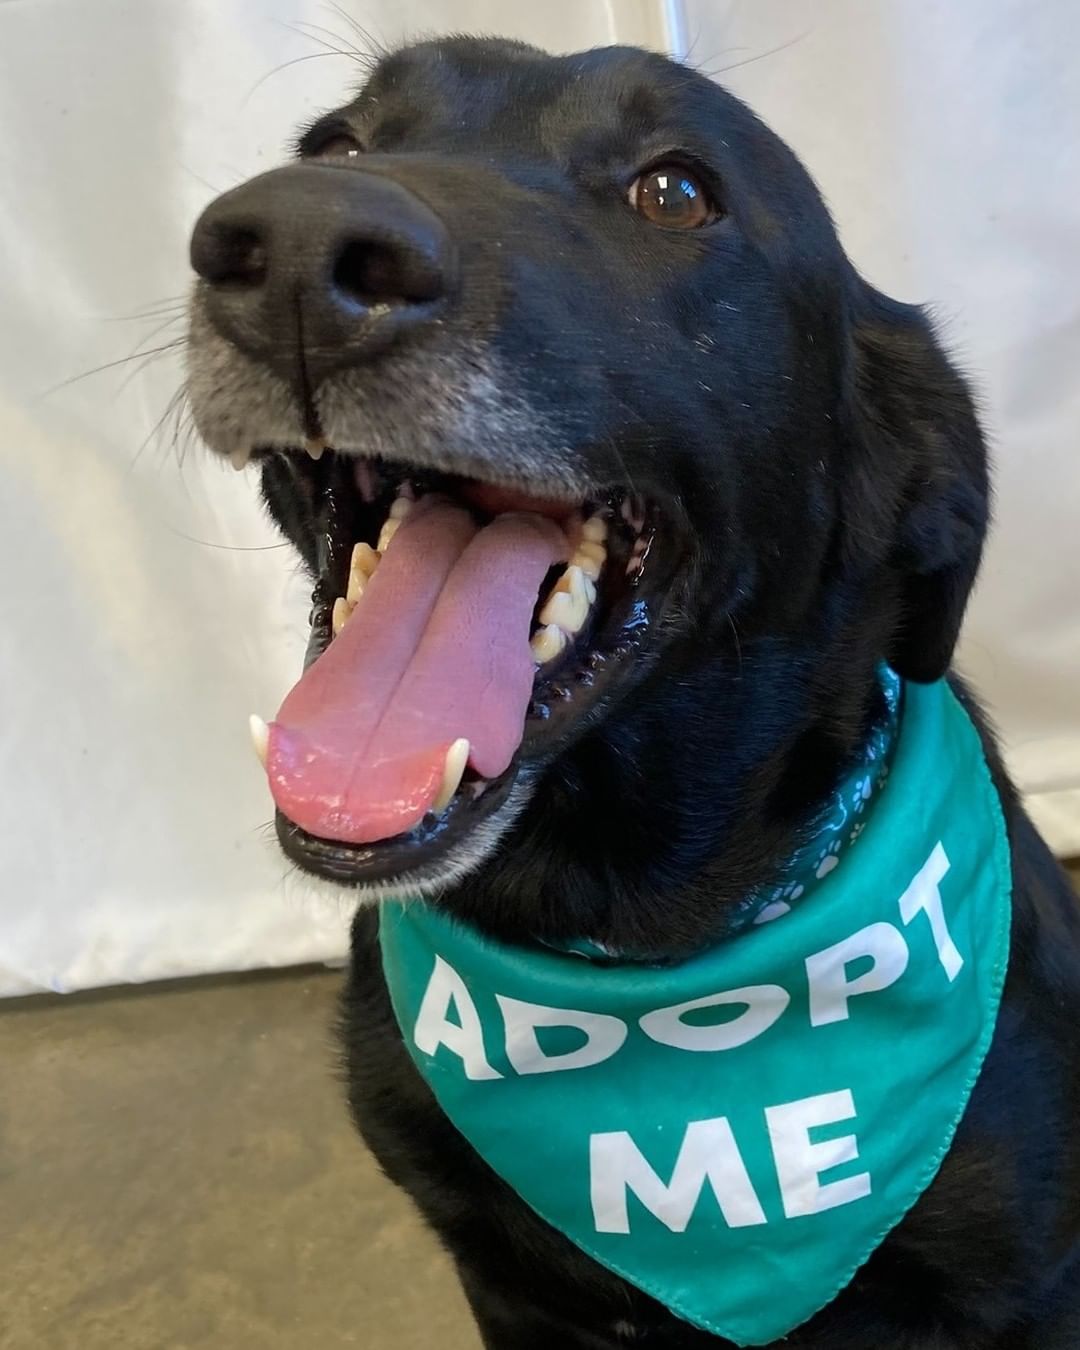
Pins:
x,y
839,824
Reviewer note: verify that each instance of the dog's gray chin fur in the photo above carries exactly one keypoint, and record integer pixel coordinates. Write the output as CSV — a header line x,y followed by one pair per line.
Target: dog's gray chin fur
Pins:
x,y
437,878
448,407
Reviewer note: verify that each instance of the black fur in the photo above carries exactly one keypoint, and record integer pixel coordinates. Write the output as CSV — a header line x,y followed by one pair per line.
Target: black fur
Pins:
x,y
822,456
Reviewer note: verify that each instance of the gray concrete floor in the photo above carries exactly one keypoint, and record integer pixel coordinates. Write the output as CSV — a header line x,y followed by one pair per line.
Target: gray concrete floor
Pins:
x,y
177,1170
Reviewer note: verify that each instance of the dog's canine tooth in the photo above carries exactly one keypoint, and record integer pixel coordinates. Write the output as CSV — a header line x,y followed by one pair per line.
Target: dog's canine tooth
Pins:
x,y
260,737
547,643
340,614
387,533
456,759
595,530
239,458
401,508
315,447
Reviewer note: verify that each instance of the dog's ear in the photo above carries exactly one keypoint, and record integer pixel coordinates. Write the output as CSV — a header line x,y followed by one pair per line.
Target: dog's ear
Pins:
x,y
921,475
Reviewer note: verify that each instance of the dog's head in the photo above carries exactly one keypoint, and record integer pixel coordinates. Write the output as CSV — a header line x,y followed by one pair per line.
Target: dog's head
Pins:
x,y
589,320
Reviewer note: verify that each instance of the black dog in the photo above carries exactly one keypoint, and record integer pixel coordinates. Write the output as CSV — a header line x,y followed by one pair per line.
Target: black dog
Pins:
x,y
518,278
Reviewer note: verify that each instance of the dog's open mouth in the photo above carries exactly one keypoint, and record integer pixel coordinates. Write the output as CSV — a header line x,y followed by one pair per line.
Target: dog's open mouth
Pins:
x,y
460,628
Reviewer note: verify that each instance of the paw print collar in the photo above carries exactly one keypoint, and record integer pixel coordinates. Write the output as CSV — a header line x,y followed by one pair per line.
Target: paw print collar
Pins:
x,y
840,823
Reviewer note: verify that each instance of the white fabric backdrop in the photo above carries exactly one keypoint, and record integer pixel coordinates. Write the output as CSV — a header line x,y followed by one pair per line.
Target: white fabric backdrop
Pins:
x,y
945,135
133,816
132,813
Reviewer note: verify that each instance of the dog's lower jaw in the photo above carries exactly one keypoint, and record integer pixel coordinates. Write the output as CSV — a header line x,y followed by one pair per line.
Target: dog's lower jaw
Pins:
x,y
435,880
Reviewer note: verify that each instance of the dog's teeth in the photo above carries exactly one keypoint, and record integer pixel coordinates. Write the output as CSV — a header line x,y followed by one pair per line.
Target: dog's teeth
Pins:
x,y
362,564
456,759
357,585
364,558
315,447
260,737
239,458
589,566
590,557
595,530
547,643
576,582
564,611
340,614
568,604
387,533
401,508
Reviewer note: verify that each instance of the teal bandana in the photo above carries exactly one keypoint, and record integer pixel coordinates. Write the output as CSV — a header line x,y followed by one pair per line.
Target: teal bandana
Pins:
x,y
736,1134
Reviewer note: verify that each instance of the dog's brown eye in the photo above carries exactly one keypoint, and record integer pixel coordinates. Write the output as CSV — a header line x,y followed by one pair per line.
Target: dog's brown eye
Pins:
x,y
340,146
670,195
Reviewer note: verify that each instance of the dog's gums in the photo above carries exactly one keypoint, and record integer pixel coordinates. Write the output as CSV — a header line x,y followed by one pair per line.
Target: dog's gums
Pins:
x,y
459,626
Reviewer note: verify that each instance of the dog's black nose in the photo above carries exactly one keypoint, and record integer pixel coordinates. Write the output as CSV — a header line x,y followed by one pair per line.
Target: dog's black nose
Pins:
x,y
316,266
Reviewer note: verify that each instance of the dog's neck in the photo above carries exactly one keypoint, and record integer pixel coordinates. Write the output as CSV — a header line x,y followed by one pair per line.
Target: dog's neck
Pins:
x,y
648,840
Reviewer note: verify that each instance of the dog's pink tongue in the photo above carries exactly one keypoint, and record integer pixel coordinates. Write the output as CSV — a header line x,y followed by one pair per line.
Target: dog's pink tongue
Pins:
x,y
437,649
